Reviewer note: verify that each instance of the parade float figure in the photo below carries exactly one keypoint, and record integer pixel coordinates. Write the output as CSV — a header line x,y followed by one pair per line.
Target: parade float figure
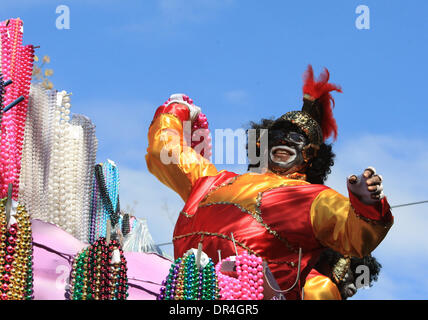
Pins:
x,y
284,214
335,277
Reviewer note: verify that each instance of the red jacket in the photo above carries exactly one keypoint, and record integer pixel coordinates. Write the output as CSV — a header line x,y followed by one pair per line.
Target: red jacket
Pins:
x,y
270,215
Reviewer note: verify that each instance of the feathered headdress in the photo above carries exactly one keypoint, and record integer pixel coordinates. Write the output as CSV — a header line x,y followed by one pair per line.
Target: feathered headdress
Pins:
x,y
316,118
318,101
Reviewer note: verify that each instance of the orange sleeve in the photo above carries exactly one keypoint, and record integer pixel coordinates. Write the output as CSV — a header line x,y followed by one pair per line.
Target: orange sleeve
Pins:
x,y
337,225
320,288
169,158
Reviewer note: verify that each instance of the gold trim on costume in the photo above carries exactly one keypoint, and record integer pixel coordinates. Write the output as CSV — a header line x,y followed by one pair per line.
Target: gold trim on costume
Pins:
x,y
248,199
223,236
229,182
258,218
371,221
187,215
260,197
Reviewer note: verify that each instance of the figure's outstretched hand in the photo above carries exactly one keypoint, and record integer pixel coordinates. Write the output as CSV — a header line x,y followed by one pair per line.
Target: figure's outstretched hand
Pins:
x,y
367,186
184,99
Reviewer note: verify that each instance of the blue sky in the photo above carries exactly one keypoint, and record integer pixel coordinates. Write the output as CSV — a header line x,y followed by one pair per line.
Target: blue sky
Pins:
x,y
243,60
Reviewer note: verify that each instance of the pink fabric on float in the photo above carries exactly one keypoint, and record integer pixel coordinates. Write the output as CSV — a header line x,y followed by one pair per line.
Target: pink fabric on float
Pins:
x,y
54,251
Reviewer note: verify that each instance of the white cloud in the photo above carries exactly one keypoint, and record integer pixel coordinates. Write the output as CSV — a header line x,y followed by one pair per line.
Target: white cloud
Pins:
x,y
403,166
384,289
402,163
238,96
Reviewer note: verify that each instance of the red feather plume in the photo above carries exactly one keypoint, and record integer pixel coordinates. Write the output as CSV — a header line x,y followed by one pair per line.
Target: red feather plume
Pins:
x,y
320,90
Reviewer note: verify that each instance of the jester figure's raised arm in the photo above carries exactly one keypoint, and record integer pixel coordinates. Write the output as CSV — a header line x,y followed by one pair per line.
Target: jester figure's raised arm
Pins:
x,y
279,211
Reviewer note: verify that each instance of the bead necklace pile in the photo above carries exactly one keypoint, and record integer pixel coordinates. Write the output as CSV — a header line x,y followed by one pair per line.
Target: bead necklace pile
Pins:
x,y
60,195
71,161
98,274
186,282
48,158
249,283
58,162
17,65
90,144
36,151
96,212
75,174
105,199
16,255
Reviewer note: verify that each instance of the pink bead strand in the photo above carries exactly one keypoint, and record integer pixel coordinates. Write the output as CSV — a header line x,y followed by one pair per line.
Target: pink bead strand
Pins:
x,y
27,57
17,64
200,123
249,283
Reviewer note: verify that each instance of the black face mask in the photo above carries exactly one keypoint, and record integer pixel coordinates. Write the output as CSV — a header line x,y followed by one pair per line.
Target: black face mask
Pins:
x,y
289,137
347,287
285,151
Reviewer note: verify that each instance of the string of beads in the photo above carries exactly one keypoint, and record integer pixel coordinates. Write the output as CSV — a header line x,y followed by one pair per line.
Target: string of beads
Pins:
x,y
248,285
16,255
17,65
95,276
186,282
105,199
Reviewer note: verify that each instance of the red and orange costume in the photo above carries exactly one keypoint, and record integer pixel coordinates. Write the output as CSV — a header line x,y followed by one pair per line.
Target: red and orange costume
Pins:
x,y
269,214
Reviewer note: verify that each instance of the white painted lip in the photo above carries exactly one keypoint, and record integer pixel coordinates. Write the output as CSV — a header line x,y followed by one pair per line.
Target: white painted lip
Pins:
x,y
285,148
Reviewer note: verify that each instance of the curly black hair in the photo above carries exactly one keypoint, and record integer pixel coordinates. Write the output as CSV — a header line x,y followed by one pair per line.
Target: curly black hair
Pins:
x,y
330,257
369,261
318,168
